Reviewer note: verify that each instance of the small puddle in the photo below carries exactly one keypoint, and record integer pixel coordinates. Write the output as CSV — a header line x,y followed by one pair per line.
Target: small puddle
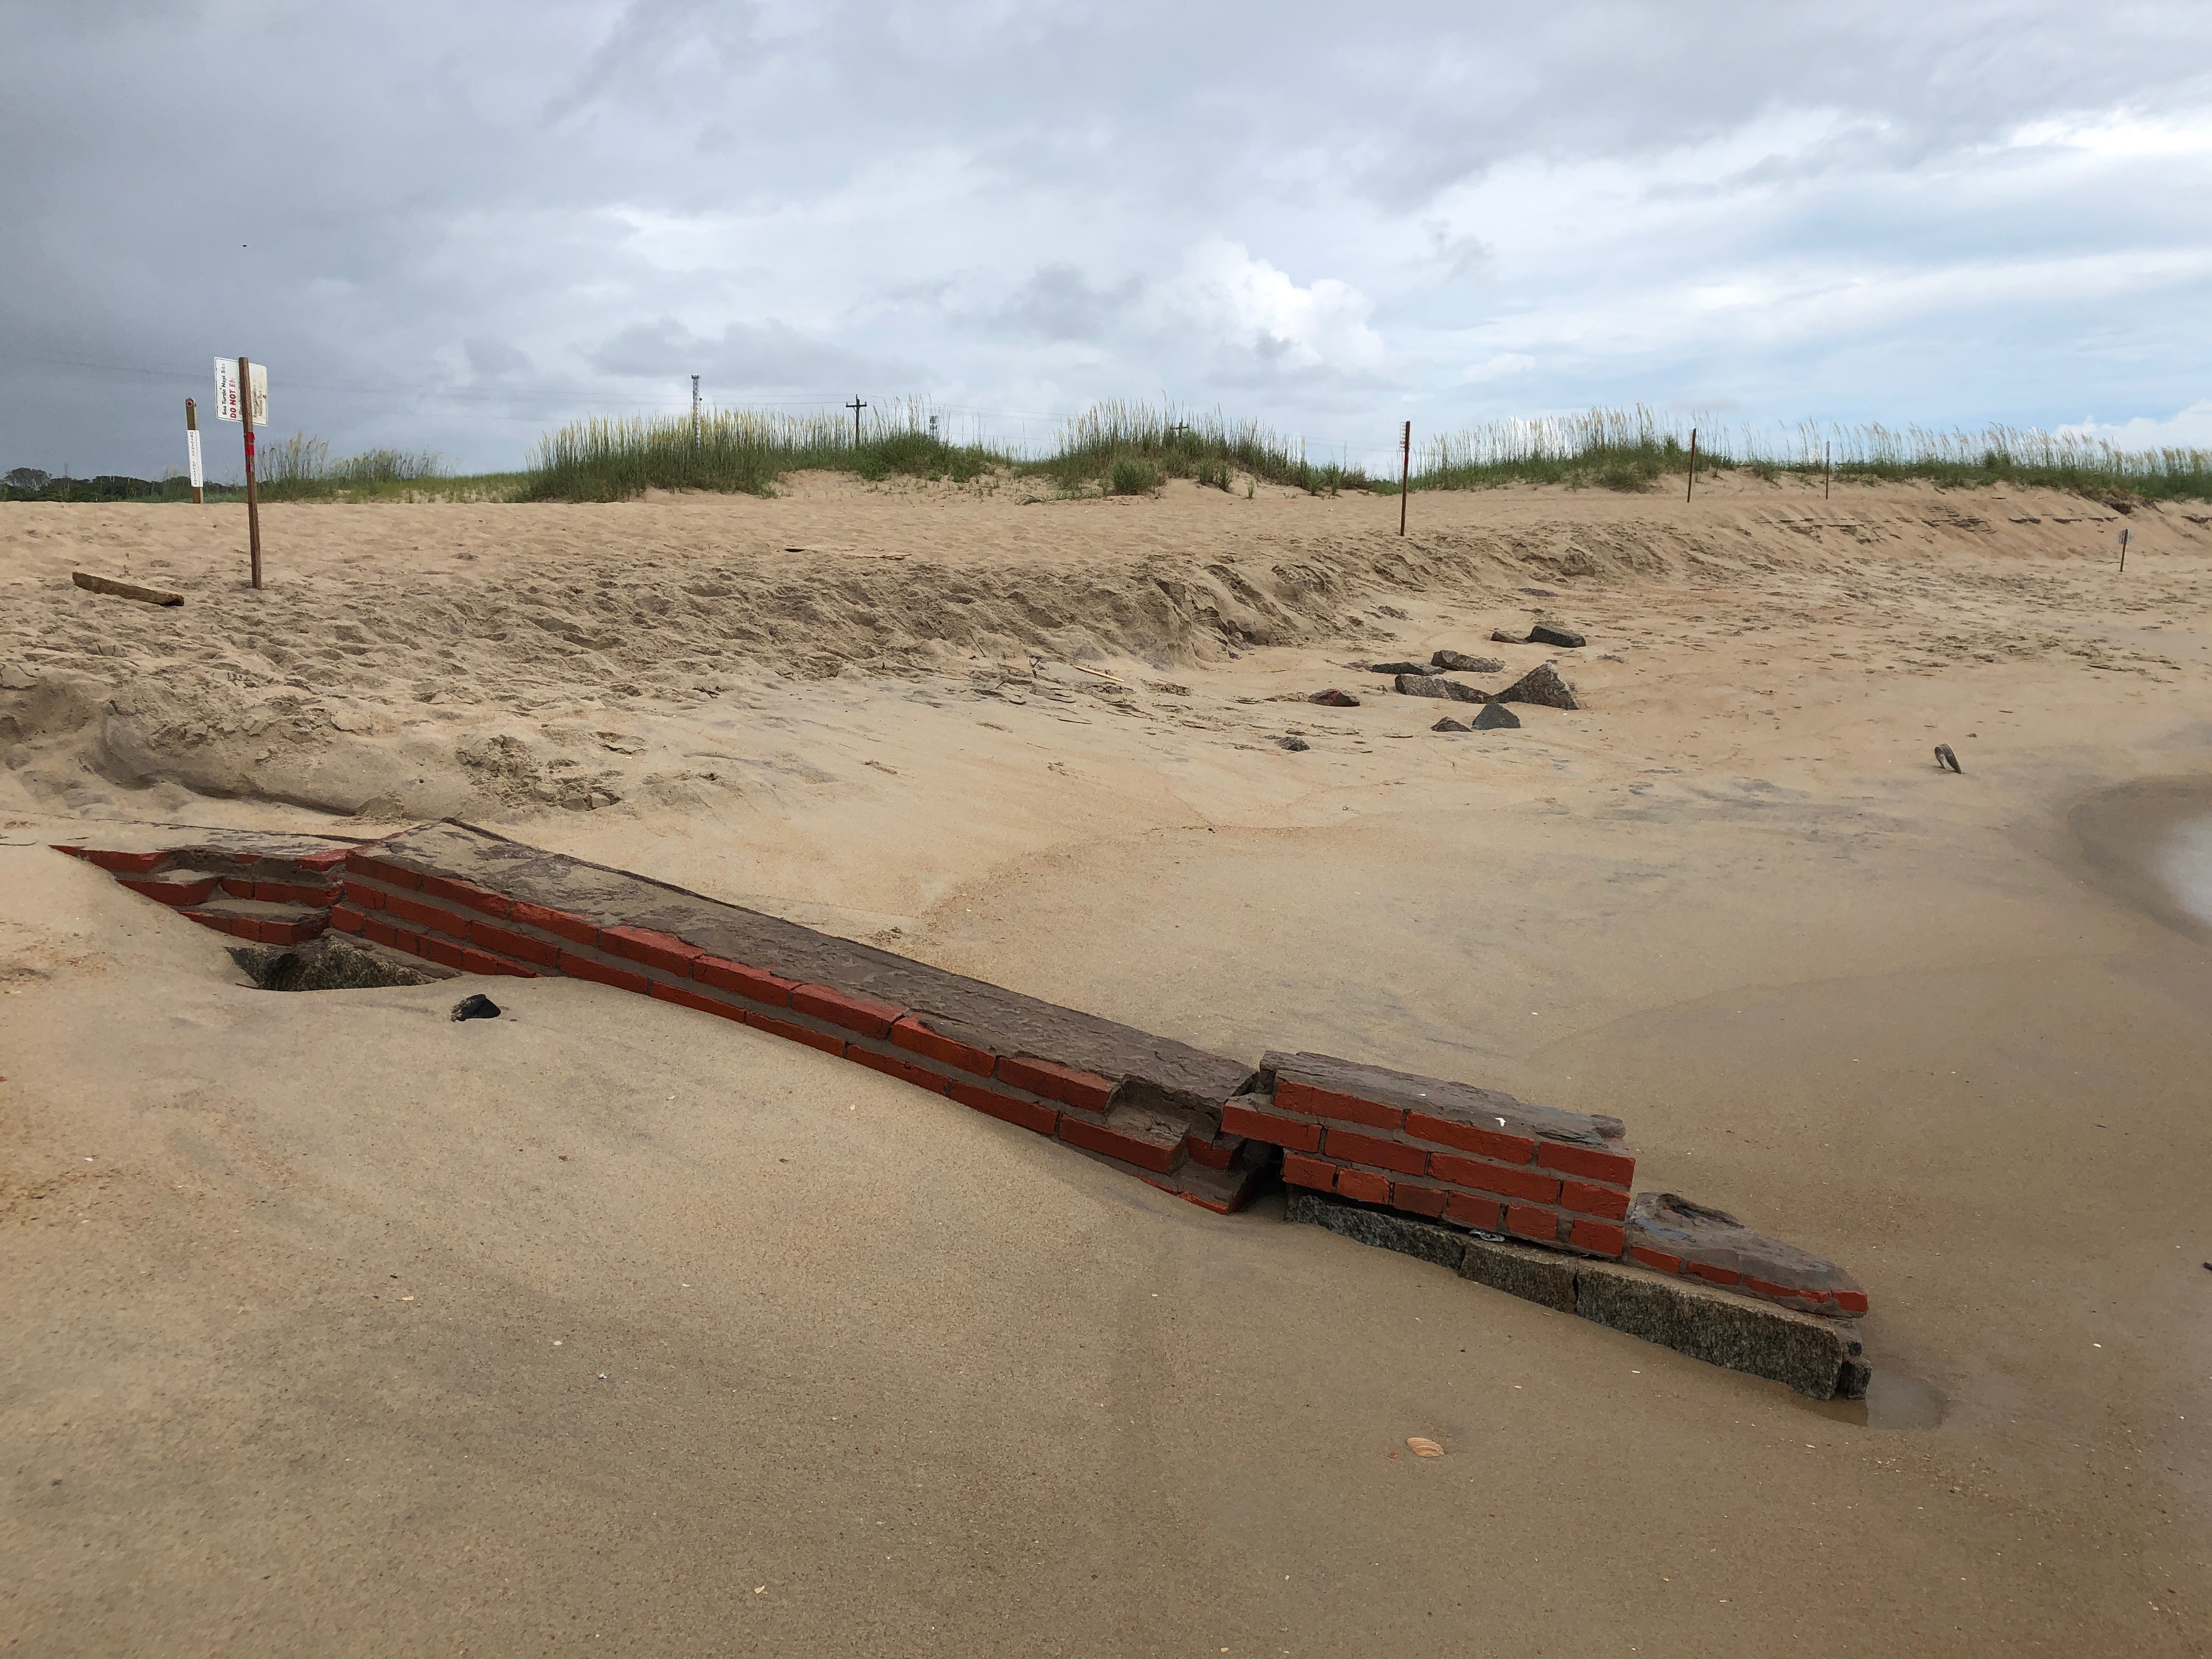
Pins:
x,y
2150,842
1893,1401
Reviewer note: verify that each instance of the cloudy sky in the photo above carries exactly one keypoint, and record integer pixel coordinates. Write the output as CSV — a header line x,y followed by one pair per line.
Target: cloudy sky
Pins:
x,y
453,226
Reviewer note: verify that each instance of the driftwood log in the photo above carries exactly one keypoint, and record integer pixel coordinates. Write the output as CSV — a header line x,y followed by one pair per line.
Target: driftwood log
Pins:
x,y
124,590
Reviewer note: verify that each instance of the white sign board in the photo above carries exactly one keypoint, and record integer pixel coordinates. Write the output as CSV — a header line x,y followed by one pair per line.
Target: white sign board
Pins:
x,y
192,448
226,391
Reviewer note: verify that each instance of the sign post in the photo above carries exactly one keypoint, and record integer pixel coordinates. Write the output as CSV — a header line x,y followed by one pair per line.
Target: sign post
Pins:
x,y
1405,473
241,394
192,450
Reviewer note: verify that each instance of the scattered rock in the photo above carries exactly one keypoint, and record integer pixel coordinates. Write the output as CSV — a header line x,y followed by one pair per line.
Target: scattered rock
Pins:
x,y
1713,1245
1333,698
1540,685
1399,668
1945,758
1419,685
1504,638
329,964
1566,638
1460,662
475,1007
1295,744
1448,724
1498,718
16,677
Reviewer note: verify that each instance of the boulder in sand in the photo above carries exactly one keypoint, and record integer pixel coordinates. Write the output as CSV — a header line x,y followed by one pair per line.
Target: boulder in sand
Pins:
x,y
1497,718
1399,668
1504,638
1333,698
1295,744
1459,663
1540,685
1418,685
1448,724
1566,638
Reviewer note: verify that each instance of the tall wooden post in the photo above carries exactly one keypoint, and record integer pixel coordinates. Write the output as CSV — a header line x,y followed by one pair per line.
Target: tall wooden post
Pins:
x,y
856,406
1827,467
252,496
1405,473
1692,484
192,450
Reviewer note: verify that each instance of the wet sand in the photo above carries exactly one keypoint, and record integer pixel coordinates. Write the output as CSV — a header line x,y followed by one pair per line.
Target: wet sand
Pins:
x,y
932,1386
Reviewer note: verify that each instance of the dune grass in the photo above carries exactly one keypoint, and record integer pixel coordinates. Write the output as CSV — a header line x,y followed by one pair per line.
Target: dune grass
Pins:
x,y
299,469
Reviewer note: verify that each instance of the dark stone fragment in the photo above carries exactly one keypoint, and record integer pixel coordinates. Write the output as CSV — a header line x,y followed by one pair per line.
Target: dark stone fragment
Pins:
x,y
1806,1353
1945,759
1384,1229
1670,1222
1418,685
1459,663
1399,668
1296,746
475,1007
329,963
1333,698
1853,1381
1497,718
1504,638
1461,1103
1542,686
1448,724
1520,1270
1566,638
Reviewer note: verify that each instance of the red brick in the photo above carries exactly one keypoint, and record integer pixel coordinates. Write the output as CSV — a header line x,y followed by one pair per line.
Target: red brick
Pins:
x,y
1851,1301
381,931
1713,1275
362,896
1472,1137
1365,1185
805,1034
1494,1178
1486,1213
1779,1292
418,915
553,921
1028,1114
136,864
171,892
74,852
510,943
239,886
655,950
1418,1200
1373,1149
1302,1171
904,1070
578,966
516,970
1146,1153
908,1032
466,893
379,869
410,943
1060,1082
754,983
1616,1168
1590,1198
1600,1235
1266,1126
1214,1154
293,892
320,862
677,995
1526,1221
348,920
479,962
439,951
862,1014
244,927
1295,1096
1660,1259
245,858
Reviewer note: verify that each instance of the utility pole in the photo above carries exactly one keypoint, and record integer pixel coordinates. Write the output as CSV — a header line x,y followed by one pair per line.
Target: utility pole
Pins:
x,y
253,495
1405,473
856,406
694,412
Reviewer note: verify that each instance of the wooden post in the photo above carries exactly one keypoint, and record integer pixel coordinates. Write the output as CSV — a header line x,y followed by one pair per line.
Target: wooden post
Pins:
x,y
1693,483
2123,550
252,496
1827,467
1405,473
192,450
856,406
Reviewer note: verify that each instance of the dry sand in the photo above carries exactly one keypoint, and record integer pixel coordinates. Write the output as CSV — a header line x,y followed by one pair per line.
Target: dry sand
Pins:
x,y
881,1376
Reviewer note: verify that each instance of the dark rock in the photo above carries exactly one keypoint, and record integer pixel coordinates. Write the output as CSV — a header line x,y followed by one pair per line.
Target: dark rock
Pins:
x,y
329,963
1504,638
1853,1381
1448,724
1673,1225
1416,685
1520,1270
1497,718
1296,745
1566,638
1806,1353
1459,663
1333,698
1541,592
475,1007
1461,1103
1384,1229
1945,758
1399,668
1542,686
